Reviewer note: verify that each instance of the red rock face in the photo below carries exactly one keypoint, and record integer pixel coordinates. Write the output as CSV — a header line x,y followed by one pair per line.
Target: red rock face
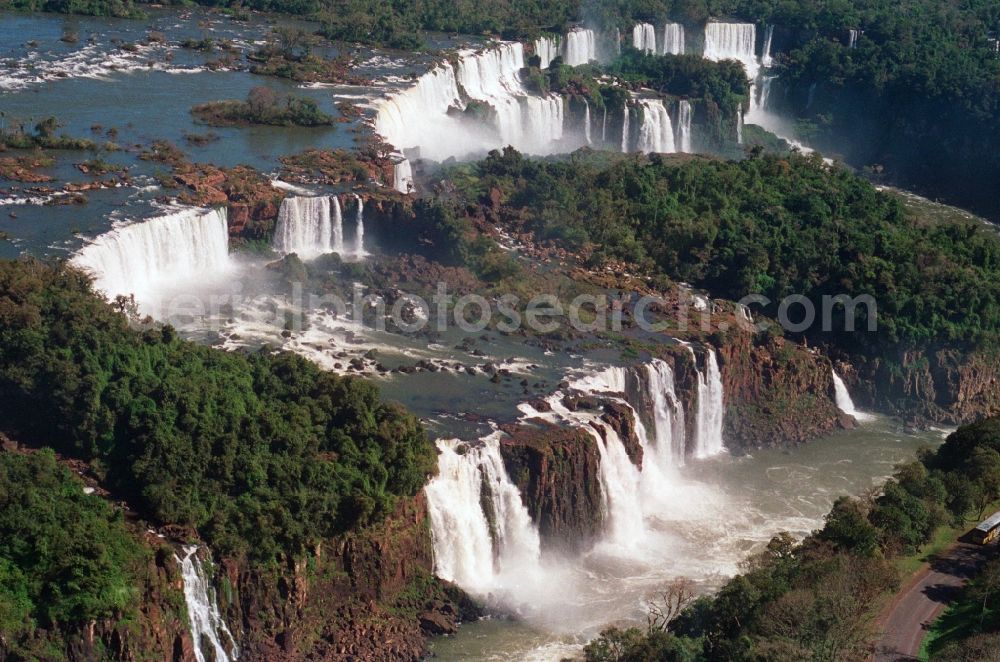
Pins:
x,y
368,595
557,471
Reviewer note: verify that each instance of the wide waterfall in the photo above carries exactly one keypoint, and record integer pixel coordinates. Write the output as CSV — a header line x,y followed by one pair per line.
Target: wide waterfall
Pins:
x,y
467,550
359,227
733,41
644,37
656,134
843,399
141,258
547,49
581,47
708,423
684,125
402,176
208,629
417,116
673,39
309,227
625,128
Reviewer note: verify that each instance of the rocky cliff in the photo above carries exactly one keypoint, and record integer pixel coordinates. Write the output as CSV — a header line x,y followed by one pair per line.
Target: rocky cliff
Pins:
x,y
363,596
557,470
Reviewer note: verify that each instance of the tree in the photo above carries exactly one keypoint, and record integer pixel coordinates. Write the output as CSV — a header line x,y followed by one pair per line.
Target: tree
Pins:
x,y
669,603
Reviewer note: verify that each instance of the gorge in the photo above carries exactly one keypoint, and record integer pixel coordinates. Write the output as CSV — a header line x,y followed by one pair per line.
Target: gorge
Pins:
x,y
552,482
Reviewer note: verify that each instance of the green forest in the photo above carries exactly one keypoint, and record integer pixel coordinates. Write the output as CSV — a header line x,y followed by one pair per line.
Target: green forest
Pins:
x,y
816,600
771,225
262,454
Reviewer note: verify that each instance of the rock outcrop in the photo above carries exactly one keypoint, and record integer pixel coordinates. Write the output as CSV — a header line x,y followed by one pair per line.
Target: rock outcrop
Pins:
x,y
557,470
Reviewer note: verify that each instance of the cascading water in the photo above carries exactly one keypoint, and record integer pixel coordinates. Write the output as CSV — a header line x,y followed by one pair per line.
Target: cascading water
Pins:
x,y
708,422
581,47
208,629
673,39
852,37
668,414
309,227
684,125
732,41
402,176
604,126
417,118
547,49
739,125
140,258
765,57
656,134
625,128
843,399
467,550
359,227
644,37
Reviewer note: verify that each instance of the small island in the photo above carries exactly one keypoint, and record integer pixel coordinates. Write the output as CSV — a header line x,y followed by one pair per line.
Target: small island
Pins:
x,y
263,106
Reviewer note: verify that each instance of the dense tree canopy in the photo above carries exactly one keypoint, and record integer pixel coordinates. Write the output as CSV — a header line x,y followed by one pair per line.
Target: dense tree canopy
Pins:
x,y
263,454
767,225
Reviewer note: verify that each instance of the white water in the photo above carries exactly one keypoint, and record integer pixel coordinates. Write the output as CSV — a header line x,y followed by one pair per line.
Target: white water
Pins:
x,y
656,134
309,227
668,414
625,128
586,123
852,37
644,37
604,126
843,399
547,49
765,57
359,227
732,41
708,423
402,176
140,258
207,624
673,39
684,125
463,547
581,47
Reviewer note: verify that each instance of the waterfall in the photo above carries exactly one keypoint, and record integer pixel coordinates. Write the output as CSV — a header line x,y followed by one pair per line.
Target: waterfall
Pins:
x,y
625,128
644,37
673,39
852,37
843,399
141,257
418,117
765,91
546,48
656,134
668,414
739,125
359,228
430,97
765,57
684,125
207,626
708,423
732,41
581,47
586,122
402,176
466,551
620,485
309,227
604,126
